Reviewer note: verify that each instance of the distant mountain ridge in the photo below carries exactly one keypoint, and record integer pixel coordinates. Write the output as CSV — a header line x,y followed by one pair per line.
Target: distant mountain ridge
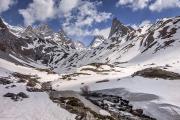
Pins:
x,y
59,52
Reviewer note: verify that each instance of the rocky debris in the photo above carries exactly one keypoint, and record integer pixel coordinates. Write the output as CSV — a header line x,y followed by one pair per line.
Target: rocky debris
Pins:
x,y
21,81
117,106
138,112
157,73
16,97
46,86
31,79
49,71
5,81
10,86
75,106
31,89
23,95
70,76
31,83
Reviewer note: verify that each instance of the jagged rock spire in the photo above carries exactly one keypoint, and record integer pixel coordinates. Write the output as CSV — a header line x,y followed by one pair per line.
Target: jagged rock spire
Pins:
x,y
118,28
2,25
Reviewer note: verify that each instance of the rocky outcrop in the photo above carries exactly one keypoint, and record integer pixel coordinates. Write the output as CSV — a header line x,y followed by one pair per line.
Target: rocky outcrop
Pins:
x,y
118,29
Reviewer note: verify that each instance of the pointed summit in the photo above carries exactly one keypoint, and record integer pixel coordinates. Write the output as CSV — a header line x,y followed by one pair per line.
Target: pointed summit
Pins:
x,y
118,28
2,25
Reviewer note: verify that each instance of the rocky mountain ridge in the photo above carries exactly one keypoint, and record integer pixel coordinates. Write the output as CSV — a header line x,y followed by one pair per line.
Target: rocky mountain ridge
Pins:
x,y
60,53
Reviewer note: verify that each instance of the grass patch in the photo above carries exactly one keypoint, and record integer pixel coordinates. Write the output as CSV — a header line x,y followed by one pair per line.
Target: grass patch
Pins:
x,y
46,70
94,70
102,81
69,76
157,73
99,64
32,80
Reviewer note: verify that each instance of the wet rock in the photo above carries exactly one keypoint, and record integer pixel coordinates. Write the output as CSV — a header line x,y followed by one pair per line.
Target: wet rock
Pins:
x,y
21,81
29,89
137,112
22,95
46,86
31,84
5,81
117,106
13,86
16,97
9,95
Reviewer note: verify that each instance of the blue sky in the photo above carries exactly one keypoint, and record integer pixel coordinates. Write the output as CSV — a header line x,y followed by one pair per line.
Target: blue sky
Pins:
x,y
82,19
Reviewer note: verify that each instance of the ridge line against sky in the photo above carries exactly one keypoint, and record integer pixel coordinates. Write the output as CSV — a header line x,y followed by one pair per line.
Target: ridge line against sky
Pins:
x,y
82,19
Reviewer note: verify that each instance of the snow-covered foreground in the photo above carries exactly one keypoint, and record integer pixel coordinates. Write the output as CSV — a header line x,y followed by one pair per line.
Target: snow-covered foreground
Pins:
x,y
159,98
7,67
37,107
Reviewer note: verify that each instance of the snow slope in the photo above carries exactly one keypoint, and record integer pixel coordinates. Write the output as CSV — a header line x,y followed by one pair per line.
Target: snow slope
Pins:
x,y
37,107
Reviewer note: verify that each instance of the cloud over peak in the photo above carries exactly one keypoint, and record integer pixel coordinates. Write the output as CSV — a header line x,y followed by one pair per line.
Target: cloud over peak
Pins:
x,y
6,4
39,10
78,15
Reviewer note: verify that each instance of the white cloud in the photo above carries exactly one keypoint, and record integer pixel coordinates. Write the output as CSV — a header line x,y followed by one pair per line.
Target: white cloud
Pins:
x,y
134,4
104,32
38,10
66,6
159,5
79,16
153,5
145,22
86,15
142,24
6,4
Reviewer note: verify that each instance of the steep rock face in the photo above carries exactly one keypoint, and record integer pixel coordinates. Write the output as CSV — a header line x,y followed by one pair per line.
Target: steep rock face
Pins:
x,y
119,30
32,45
2,25
161,35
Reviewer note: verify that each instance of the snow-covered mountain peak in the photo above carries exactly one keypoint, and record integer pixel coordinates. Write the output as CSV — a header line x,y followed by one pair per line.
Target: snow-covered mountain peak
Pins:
x,y
97,40
78,45
44,29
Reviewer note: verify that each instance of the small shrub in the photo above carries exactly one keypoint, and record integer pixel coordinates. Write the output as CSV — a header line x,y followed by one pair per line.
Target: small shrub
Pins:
x,y
85,90
46,70
102,81
31,83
